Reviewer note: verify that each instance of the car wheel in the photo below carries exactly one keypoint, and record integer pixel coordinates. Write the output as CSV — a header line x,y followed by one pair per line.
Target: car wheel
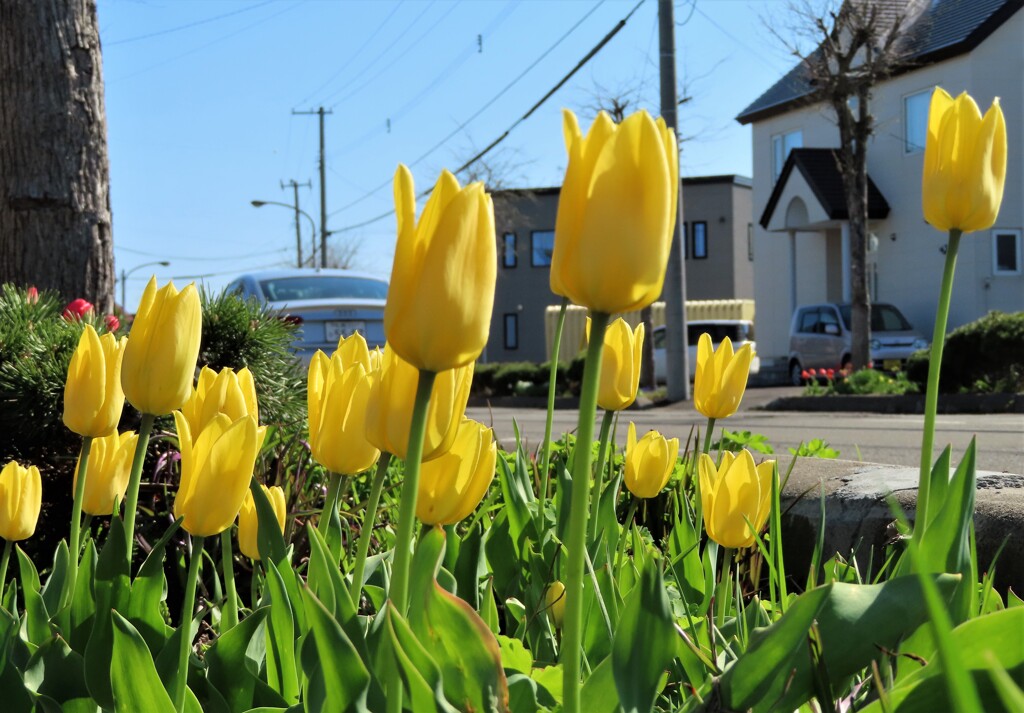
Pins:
x,y
796,374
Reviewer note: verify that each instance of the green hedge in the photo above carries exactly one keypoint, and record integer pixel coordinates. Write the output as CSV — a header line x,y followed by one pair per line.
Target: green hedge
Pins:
x,y
522,378
986,356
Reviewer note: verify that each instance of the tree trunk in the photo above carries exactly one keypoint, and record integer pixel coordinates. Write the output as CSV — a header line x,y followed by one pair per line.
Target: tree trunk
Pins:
x,y
55,226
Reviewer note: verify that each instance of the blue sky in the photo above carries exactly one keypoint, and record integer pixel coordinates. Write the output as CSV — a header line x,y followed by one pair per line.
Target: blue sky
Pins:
x,y
200,93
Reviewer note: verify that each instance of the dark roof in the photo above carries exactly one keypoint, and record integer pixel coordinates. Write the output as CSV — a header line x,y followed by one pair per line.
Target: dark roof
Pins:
x,y
946,28
734,178
820,168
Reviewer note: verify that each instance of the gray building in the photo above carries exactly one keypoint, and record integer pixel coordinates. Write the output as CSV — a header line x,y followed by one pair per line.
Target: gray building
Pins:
x,y
717,234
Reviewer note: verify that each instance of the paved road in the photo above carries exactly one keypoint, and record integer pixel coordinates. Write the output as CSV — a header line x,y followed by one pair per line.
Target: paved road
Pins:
x,y
878,438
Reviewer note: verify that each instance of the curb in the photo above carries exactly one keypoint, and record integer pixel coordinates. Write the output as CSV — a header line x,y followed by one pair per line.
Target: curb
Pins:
x,y
903,404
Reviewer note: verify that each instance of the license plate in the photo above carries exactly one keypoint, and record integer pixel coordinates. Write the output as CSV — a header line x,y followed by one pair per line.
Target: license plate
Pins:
x,y
333,331
891,364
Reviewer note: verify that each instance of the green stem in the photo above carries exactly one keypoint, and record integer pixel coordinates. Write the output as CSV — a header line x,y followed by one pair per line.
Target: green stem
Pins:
x,y
577,527
132,497
229,616
708,434
721,593
330,503
185,640
602,454
931,399
76,520
625,533
398,593
8,546
369,515
545,475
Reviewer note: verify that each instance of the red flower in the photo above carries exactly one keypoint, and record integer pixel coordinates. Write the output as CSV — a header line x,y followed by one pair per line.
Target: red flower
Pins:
x,y
831,373
77,309
812,372
805,375
113,323
32,295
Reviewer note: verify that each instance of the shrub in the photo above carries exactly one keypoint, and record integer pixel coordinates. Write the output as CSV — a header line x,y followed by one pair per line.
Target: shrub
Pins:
x,y
983,355
521,378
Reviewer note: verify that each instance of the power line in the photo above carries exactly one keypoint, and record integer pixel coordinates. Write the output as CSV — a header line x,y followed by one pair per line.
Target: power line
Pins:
x,y
186,26
203,258
465,123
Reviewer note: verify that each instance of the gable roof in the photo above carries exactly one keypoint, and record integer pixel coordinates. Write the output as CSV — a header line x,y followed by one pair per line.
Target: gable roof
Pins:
x,y
946,28
820,168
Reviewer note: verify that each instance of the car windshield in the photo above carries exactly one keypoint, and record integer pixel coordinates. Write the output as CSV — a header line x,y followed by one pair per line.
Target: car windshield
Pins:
x,y
739,332
884,318
323,287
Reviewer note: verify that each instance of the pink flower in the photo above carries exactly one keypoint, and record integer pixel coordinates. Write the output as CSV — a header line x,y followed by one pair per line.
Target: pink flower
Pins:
x,y
77,309
812,372
113,323
831,373
805,375
32,295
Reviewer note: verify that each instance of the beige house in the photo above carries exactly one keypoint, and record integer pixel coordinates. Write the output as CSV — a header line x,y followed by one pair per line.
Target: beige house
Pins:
x,y
717,233
801,242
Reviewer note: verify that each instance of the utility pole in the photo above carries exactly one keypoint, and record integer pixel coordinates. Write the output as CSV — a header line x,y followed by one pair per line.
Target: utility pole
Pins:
x,y
298,228
678,373
323,184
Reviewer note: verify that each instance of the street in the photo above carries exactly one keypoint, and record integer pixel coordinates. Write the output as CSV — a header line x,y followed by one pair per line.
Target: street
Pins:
x,y
868,437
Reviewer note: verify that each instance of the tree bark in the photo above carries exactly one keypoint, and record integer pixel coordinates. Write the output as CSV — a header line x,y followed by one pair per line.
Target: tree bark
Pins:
x,y
55,223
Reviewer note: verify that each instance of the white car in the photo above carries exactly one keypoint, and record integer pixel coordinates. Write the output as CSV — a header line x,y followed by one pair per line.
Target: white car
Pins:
x,y
325,304
739,332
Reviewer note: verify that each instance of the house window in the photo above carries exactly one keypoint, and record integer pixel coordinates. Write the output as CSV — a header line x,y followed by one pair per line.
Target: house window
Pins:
x,y
512,331
542,244
700,240
508,250
1006,252
782,144
750,242
686,241
915,121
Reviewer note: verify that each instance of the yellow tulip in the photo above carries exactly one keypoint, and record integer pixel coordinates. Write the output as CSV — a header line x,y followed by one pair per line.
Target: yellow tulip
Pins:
x,y
337,398
733,493
453,484
554,600
438,311
163,348
21,495
248,522
227,392
964,163
110,464
616,212
93,398
353,350
620,365
389,415
649,462
720,378
216,467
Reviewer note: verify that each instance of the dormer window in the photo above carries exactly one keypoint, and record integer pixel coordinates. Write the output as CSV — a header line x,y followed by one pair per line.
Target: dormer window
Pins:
x,y
782,144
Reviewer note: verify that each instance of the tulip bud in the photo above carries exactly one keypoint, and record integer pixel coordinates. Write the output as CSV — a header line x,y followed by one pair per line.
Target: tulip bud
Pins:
x,y
21,495
112,322
964,163
616,212
32,295
337,405
248,522
649,462
77,309
389,414
109,467
554,600
721,377
163,348
621,358
453,484
438,311
216,467
733,493
93,399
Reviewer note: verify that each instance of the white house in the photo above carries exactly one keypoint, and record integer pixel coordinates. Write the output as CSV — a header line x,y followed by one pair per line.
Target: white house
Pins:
x,y
801,244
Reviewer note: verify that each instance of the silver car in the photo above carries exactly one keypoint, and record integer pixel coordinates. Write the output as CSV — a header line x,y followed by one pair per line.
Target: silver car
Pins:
x,y
325,304
739,332
820,338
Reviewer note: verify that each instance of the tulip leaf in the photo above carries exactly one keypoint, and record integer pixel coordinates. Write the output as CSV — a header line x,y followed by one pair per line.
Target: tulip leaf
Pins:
x,y
468,565
645,642
56,671
282,675
36,626
269,538
522,694
83,605
339,677
16,698
9,625
685,563
149,590
326,583
233,662
111,591
420,675
514,498
136,685
886,614
458,639
598,694
53,591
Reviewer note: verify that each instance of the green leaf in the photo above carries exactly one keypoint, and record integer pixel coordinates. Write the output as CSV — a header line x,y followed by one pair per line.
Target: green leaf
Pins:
x,y
16,698
598,694
56,671
148,591
522,694
80,705
684,561
136,685
420,674
514,655
269,538
282,674
489,608
458,639
83,605
1012,600
233,662
549,681
468,566
111,591
36,625
53,590
343,678
645,642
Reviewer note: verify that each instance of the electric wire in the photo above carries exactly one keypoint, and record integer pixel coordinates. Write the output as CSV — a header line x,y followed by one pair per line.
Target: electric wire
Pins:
x,y
169,30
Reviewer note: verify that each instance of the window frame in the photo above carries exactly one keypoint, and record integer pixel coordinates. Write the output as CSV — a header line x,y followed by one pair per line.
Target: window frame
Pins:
x,y
697,256
781,158
915,149
533,247
514,322
505,253
1016,233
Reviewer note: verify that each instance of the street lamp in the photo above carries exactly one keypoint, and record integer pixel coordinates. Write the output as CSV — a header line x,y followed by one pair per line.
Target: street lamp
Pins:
x,y
124,279
298,232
